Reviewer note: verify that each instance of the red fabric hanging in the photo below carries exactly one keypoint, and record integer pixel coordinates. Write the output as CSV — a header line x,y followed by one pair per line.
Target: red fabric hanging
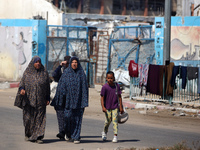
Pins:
x,y
133,69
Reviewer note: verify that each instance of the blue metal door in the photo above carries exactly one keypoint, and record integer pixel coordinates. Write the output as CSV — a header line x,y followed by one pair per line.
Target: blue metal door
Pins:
x,y
130,43
67,40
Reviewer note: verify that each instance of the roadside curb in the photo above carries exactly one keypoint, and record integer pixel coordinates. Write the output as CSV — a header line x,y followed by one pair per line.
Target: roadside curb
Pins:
x,y
133,105
14,85
5,85
129,104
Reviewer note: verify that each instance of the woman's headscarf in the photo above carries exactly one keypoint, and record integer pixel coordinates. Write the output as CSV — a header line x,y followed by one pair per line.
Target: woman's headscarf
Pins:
x,y
72,90
37,59
36,85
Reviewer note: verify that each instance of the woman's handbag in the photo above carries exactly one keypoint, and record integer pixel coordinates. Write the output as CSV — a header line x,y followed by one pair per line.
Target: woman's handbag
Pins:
x,y
122,118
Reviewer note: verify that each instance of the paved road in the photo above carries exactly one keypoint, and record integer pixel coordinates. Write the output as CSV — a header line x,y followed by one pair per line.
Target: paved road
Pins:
x,y
130,134
12,135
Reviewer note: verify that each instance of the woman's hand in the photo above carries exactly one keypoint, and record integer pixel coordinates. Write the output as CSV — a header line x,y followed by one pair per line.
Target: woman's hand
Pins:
x,y
47,103
63,63
22,92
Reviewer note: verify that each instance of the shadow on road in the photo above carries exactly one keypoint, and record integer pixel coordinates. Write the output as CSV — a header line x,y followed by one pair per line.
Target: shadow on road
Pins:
x,y
90,137
121,141
46,141
84,139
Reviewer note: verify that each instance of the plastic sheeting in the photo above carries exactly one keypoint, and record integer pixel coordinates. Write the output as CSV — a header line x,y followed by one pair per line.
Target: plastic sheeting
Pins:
x,y
53,87
122,76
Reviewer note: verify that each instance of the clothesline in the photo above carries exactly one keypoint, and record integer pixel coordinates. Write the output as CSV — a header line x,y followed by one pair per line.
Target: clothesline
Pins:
x,y
152,77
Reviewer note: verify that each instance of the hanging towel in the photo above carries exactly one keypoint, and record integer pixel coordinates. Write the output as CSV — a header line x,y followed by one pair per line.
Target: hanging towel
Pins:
x,y
175,72
183,75
143,74
198,83
169,88
182,72
192,73
161,74
133,68
153,79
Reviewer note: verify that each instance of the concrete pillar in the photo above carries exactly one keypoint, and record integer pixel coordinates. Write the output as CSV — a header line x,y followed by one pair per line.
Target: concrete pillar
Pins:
x,y
186,8
79,6
108,7
56,3
124,7
192,10
146,8
167,33
86,6
102,7
179,8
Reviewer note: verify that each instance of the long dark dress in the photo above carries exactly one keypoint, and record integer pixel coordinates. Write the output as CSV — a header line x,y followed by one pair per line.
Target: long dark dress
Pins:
x,y
33,103
72,95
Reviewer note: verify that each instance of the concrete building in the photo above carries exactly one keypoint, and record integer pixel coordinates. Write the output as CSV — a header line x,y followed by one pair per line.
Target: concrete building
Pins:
x,y
30,9
116,7
52,10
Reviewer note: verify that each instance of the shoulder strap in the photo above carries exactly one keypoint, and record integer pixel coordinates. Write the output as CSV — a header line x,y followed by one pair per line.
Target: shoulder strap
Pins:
x,y
116,92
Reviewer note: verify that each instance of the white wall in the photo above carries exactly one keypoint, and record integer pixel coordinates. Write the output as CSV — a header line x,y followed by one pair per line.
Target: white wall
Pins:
x,y
15,51
26,9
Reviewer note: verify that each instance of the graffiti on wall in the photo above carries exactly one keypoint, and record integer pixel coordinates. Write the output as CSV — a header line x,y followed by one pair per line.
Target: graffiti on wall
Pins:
x,y
15,51
185,43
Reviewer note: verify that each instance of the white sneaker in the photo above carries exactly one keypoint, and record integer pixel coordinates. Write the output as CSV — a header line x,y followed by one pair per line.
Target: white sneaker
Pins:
x,y
76,141
114,139
104,136
68,139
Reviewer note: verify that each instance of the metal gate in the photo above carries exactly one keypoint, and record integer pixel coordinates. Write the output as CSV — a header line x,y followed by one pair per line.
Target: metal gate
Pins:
x,y
130,43
67,40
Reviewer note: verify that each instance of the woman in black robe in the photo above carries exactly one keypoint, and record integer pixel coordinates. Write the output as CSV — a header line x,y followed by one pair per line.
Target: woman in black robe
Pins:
x,y
32,97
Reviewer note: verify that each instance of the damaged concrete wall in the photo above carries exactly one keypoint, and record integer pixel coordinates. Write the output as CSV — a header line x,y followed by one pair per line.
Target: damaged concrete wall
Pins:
x,y
82,19
107,23
26,9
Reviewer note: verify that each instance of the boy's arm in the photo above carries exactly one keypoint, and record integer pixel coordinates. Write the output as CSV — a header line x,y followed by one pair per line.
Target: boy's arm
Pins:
x,y
102,104
120,104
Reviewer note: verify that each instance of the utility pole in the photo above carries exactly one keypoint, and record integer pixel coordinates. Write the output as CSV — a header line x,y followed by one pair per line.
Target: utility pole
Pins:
x,y
167,33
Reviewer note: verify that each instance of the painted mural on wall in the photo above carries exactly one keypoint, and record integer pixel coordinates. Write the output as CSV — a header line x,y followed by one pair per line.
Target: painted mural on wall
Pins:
x,y
185,40
15,51
185,43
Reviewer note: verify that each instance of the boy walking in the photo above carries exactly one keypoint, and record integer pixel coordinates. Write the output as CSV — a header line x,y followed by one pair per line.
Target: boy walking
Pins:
x,y
110,93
